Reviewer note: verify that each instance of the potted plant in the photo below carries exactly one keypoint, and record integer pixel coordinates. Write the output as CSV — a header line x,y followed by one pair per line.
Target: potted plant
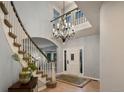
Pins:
x,y
26,73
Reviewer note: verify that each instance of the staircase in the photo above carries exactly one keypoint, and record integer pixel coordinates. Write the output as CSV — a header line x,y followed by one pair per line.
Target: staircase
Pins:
x,y
22,44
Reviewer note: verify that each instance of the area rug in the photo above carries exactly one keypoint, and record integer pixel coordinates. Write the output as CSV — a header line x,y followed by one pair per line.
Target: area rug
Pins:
x,y
73,80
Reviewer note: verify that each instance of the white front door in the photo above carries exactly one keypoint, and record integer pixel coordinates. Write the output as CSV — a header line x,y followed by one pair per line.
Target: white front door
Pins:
x,y
73,61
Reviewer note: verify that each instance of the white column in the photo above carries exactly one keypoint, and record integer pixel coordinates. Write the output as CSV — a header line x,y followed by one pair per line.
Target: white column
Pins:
x,y
53,72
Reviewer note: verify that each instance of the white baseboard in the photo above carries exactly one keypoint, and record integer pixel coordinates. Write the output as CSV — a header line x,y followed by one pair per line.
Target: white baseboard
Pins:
x,y
92,78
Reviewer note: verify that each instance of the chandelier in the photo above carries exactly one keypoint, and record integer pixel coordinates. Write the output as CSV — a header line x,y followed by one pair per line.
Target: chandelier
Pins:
x,y
63,29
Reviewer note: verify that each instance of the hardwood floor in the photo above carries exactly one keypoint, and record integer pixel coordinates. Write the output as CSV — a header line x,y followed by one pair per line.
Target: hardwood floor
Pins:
x,y
92,86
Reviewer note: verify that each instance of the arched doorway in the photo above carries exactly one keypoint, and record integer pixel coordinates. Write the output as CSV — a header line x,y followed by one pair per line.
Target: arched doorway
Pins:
x,y
48,47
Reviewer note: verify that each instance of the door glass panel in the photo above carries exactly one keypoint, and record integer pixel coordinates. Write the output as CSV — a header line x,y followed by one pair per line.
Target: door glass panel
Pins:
x,y
81,62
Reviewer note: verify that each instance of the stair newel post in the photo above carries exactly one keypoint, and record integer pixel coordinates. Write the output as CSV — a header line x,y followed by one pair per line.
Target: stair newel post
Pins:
x,y
53,72
52,83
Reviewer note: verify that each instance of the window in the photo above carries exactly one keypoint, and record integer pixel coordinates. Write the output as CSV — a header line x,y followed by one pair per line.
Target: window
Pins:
x,y
55,13
68,19
79,14
49,56
54,57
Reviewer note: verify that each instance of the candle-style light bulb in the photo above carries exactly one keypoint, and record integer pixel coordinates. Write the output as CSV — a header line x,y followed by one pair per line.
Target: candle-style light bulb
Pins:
x,y
57,25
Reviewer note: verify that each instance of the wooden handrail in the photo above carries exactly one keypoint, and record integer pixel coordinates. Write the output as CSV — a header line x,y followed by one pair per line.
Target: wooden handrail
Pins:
x,y
15,11
64,14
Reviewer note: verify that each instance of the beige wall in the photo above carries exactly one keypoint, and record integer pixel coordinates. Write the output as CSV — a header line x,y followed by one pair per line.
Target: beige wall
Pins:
x,y
9,69
112,46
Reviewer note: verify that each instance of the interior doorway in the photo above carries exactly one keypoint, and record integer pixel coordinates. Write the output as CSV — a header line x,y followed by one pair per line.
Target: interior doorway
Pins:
x,y
74,61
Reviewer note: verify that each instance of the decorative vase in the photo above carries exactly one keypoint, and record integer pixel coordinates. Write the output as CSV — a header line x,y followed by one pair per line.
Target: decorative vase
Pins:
x,y
25,76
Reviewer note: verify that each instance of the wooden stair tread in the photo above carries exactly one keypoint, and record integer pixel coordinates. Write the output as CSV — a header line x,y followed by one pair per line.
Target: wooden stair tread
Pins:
x,y
39,72
21,52
7,23
16,44
12,35
4,9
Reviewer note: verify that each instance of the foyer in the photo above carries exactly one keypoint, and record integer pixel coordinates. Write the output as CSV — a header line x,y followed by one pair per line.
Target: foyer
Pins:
x,y
37,55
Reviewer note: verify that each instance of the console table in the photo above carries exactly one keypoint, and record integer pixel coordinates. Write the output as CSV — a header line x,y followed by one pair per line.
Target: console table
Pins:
x,y
29,87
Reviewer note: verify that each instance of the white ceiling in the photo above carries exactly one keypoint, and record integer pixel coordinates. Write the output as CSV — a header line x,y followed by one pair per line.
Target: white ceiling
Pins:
x,y
42,43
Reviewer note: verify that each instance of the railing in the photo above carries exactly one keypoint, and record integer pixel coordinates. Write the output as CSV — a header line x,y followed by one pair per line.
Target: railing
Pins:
x,y
75,17
22,40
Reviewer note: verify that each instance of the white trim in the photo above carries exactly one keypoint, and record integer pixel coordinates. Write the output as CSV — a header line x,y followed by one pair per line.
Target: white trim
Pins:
x,y
98,79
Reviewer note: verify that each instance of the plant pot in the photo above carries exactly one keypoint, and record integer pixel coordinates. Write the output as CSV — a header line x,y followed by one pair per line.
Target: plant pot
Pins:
x,y
24,77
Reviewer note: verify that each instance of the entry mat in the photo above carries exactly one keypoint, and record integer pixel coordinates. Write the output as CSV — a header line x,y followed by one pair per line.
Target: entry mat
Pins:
x,y
73,80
